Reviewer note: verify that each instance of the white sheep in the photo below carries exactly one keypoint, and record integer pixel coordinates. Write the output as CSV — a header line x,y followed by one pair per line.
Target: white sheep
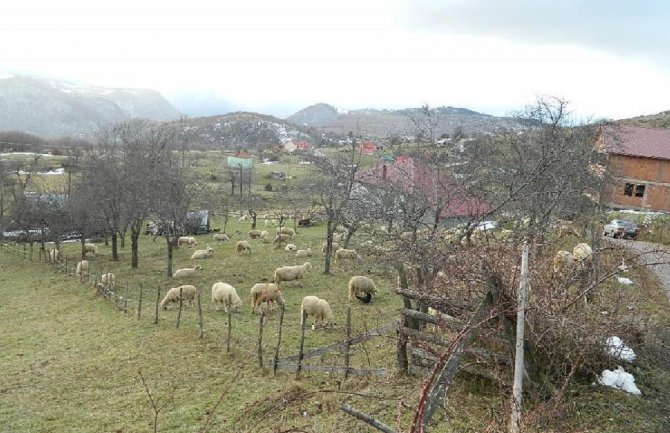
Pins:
x,y
286,231
188,240
255,234
361,284
280,238
265,292
304,253
265,236
242,247
91,248
221,237
227,295
324,246
186,272
188,293
337,237
243,218
318,308
82,269
202,254
344,254
582,252
54,255
563,261
290,273
290,247
108,281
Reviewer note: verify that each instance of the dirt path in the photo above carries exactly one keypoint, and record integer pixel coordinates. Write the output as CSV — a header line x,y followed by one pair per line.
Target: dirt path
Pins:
x,y
655,254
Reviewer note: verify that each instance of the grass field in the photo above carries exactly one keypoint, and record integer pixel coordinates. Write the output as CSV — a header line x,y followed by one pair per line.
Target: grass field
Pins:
x,y
72,361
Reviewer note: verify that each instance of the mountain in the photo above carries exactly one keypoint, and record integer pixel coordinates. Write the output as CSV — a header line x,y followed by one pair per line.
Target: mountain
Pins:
x,y
660,120
383,123
247,130
54,108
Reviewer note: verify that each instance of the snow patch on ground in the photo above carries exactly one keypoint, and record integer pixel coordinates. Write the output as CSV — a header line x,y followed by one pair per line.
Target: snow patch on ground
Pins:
x,y
619,379
619,350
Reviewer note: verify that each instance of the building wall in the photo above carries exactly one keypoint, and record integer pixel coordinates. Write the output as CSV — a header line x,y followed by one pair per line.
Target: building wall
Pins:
x,y
652,174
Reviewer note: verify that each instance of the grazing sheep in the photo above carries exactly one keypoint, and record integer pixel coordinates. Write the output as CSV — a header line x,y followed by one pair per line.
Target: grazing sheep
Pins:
x,y
243,218
563,261
318,308
255,234
582,253
406,236
361,284
264,236
227,295
108,281
91,248
82,269
188,240
54,255
265,292
290,273
325,245
202,254
290,247
337,238
242,247
280,238
188,293
342,254
222,237
304,253
186,272
286,231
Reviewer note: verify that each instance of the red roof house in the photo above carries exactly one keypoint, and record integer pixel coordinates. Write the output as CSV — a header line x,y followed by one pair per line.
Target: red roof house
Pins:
x,y
367,148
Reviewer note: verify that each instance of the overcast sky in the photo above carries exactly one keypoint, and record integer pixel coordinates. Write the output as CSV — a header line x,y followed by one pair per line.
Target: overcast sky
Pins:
x,y
610,58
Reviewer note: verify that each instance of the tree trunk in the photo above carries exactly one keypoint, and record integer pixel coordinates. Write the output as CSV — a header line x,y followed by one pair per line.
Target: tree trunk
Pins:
x,y
135,230
170,247
83,246
329,246
115,246
517,388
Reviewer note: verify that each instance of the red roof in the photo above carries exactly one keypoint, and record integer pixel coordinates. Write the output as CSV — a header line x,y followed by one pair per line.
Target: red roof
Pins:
x,y
302,145
633,141
418,178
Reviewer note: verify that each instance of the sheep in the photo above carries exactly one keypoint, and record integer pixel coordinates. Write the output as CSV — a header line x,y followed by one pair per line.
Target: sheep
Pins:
x,y
325,245
361,284
226,295
91,248
582,252
563,261
265,292
318,308
264,236
188,293
280,238
286,231
338,237
242,219
186,272
290,247
222,237
406,236
255,234
290,273
343,254
304,253
188,240
202,254
54,255
270,222
82,269
108,281
242,247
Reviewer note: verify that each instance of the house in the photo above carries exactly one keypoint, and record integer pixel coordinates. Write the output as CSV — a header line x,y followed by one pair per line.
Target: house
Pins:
x,y
638,161
420,180
303,146
367,148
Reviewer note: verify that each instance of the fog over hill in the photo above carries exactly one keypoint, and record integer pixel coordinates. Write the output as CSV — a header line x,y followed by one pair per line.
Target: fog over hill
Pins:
x,y
53,108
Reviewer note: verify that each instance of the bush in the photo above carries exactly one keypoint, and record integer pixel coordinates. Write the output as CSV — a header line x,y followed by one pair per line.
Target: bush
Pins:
x,y
268,186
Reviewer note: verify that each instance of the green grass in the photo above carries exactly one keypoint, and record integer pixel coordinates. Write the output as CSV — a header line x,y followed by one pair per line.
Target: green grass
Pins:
x,y
71,361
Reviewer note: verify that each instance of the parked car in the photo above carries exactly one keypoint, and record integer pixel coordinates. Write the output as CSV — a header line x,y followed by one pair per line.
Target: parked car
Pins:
x,y
621,229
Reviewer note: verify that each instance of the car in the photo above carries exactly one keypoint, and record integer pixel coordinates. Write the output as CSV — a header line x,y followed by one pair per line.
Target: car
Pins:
x,y
487,225
625,229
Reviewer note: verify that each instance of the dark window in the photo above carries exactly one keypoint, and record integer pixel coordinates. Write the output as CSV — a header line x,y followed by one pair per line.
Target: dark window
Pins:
x,y
628,189
639,191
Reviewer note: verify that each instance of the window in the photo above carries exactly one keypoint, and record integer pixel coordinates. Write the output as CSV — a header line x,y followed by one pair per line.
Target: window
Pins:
x,y
628,189
639,191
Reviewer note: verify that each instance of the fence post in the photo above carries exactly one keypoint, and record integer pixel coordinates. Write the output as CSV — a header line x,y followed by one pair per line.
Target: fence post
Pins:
x,y
181,304
347,347
125,300
31,251
281,323
202,331
260,340
230,324
158,301
301,353
139,304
